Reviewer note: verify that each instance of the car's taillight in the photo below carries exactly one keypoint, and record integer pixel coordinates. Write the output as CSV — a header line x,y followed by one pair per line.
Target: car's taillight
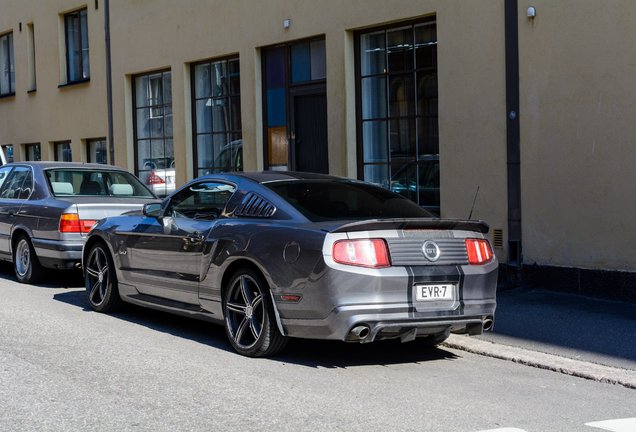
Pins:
x,y
154,179
71,223
479,251
364,253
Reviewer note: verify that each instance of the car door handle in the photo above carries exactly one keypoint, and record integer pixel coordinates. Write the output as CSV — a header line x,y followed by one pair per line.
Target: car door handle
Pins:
x,y
11,212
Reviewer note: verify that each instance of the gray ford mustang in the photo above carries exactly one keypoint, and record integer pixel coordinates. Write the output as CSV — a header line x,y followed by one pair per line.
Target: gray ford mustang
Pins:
x,y
274,255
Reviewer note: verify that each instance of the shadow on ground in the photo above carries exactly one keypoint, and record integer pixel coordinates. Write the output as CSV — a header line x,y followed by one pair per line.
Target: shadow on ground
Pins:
x,y
51,279
576,325
309,353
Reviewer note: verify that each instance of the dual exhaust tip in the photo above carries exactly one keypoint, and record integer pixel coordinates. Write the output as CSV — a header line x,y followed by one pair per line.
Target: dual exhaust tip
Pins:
x,y
362,331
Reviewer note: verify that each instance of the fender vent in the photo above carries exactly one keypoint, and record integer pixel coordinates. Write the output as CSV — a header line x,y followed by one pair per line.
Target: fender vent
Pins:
x,y
254,205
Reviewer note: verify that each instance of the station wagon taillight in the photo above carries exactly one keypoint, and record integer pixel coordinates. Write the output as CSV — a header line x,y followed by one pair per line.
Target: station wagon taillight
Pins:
x,y
479,251
71,223
371,253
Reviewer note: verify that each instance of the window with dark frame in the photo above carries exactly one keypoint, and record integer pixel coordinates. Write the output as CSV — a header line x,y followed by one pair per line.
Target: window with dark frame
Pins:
x,y
63,152
97,151
77,53
397,98
154,147
287,67
7,66
216,104
32,152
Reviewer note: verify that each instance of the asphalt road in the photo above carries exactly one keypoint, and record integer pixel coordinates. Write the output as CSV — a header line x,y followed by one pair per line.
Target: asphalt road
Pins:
x,y
63,367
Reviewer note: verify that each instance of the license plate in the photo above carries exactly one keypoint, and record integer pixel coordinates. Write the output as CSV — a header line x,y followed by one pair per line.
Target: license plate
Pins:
x,y
434,292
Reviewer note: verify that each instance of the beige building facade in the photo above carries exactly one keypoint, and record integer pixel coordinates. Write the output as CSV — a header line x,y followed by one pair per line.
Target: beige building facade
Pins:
x,y
362,89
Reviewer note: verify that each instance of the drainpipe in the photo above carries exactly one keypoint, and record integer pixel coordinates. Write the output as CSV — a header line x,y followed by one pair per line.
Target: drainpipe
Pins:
x,y
513,136
109,83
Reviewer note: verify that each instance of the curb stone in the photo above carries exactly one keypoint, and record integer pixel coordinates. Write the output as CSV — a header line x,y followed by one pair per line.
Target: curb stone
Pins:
x,y
577,368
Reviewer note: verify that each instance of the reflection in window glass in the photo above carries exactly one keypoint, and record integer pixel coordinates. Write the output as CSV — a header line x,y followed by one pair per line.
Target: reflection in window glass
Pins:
x,y
205,201
397,73
7,68
77,54
18,184
8,152
286,68
97,152
32,152
153,131
217,113
84,182
63,152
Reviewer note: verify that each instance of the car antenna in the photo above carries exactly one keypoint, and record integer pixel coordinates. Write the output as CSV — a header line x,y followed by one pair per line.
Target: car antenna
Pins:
x,y
473,206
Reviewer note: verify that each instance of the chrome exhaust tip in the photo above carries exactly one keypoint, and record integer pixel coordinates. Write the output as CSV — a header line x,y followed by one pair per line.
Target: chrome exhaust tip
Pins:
x,y
360,332
488,323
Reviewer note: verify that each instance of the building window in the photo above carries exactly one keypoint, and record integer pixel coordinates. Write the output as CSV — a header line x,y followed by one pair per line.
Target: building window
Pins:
x,y
63,152
8,152
218,143
295,106
77,58
7,69
96,151
32,152
398,145
31,56
154,149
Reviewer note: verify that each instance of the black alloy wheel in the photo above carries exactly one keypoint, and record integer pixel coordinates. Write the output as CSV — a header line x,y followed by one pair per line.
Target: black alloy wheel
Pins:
x,y
250,323
100,280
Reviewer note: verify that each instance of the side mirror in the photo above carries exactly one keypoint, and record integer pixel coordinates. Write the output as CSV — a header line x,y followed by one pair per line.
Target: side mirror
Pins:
x,y
152,210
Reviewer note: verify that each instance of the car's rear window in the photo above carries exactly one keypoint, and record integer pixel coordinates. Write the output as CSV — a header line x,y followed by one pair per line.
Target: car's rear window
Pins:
x,y
79,182
324,200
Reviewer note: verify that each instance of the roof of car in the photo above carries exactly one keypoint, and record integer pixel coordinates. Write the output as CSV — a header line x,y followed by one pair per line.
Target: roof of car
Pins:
x,y
56,164
272,176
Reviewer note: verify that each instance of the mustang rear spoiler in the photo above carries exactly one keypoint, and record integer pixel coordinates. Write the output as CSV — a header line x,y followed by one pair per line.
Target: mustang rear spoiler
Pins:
x,y
406,224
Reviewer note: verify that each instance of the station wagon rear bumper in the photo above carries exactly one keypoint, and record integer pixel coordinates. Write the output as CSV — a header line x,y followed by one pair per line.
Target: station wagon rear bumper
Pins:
x,y
59,254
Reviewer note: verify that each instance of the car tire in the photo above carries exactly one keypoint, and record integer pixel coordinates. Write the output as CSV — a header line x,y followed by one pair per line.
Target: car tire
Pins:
x,y
26,264
250,323
100,280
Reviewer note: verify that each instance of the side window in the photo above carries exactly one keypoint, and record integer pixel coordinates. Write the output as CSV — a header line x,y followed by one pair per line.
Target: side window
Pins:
x,y
204,200
27,186
13,186
4,173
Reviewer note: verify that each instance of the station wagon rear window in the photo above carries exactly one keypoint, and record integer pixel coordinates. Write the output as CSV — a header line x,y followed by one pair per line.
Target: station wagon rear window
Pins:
x,y
320,200
78,182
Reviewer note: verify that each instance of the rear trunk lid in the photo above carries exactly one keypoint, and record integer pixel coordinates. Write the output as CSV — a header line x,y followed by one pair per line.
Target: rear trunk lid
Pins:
x,y
89,210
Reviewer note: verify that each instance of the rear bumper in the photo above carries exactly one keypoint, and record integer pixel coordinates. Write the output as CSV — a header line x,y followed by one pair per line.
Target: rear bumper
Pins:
x,y
384,303
382,323
62,254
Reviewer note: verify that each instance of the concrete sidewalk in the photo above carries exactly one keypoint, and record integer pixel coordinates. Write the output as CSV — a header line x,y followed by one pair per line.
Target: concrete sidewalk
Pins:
x,y
581,336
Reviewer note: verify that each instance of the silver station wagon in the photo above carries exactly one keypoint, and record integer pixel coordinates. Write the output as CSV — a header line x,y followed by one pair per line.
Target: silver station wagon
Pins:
x,y
47,209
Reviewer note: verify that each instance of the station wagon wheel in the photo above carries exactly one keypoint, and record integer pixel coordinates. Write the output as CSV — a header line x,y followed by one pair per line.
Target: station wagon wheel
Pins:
x,y
25,262
100,279
250,323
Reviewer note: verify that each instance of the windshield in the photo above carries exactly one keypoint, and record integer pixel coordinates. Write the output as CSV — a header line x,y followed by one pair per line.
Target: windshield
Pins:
x,y
79,182
324,200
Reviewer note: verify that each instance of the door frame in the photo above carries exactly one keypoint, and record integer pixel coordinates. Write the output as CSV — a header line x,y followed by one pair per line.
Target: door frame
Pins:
x,y
314,89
